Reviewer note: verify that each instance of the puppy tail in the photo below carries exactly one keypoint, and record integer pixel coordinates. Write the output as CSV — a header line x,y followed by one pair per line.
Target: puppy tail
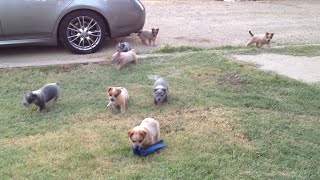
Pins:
x,y
251,33
153,77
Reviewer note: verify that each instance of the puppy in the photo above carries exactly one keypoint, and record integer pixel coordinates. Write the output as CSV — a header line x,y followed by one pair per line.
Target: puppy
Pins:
x,y
260,40
120,59
118,97
146,134
43,95
149,35
160,89
123,47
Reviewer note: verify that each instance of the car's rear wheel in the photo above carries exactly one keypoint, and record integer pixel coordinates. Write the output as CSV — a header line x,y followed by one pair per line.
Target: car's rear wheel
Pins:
x,y
82,32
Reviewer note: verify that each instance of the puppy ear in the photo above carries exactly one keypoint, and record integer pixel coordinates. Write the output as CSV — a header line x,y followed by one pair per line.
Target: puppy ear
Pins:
x,y
130,132
143,133
272,34
157,30
267,33
109,89
118,91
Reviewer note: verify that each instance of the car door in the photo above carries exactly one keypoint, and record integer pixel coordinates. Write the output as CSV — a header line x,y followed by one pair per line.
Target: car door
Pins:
x,y
29,19
1,33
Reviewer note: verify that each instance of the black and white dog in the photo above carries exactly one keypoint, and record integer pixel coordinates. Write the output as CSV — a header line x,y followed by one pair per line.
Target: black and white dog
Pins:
x,y
123,47
41,96
160,89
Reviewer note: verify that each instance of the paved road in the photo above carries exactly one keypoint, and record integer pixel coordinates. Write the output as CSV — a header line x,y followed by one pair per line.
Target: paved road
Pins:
x,y
197,22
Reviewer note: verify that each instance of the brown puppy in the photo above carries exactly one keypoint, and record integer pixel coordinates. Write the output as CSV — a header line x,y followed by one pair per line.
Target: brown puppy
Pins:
x,y
118,97
260,40
120,59
149,35
146,134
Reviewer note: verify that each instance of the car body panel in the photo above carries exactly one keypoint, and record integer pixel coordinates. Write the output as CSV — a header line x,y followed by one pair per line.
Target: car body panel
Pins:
x,y
123,16
1,33
30,19
118,20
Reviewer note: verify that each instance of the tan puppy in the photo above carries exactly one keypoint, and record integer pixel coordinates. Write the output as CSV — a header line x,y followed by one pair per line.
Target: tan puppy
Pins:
x,y
260,40
146,134
118,97
120,59
149,35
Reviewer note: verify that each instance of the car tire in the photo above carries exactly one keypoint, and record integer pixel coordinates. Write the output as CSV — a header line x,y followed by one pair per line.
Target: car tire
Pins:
x,y
82,32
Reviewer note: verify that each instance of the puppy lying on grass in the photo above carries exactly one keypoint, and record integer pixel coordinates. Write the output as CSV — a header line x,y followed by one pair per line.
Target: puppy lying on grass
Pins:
x,y
146,134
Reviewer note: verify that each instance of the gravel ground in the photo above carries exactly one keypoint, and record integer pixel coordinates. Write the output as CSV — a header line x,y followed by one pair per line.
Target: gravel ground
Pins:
x,y
204,23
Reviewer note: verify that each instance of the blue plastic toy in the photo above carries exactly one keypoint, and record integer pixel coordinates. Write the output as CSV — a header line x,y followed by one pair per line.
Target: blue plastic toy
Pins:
x,y
144,152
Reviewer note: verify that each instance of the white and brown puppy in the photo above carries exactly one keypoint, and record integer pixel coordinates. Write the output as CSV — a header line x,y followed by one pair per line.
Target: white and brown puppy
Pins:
x,y
146,134
120,59
260,40
118,98
149,35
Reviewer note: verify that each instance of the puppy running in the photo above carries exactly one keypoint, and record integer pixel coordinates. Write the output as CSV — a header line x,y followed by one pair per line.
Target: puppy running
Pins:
x,y
120,59
43,95
149,35
118,97
160,89
260,40
146,134
123,47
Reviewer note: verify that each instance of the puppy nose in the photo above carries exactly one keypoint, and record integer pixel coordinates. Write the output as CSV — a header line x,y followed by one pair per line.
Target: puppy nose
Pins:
x,y
111,99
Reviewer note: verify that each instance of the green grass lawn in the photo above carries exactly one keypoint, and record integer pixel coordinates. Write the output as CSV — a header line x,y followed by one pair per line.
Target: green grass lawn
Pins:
x,y
296,50
223,120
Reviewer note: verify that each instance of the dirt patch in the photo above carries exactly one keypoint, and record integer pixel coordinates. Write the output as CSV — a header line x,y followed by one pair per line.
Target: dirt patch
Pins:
x,y
297,67
232,79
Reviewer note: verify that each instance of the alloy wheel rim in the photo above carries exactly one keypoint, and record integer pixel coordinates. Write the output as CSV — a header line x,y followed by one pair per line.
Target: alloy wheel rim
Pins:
x,y
84,33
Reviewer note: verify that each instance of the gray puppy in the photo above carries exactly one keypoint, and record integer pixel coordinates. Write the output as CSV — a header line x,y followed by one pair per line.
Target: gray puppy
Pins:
x,y
43,95
123,47
160,89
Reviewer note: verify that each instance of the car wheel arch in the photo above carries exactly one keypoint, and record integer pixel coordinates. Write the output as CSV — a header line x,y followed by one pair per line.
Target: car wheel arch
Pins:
x,y
70,12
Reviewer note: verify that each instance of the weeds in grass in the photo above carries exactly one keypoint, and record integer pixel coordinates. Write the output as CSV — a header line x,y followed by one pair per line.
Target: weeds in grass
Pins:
x,y
295,50
170,49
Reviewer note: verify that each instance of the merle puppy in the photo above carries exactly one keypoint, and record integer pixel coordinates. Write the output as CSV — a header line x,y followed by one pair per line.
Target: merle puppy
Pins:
x,y
160,89
123,47
41,96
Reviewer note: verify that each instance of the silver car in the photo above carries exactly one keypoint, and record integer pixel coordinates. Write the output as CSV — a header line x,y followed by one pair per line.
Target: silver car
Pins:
x,y
80,25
